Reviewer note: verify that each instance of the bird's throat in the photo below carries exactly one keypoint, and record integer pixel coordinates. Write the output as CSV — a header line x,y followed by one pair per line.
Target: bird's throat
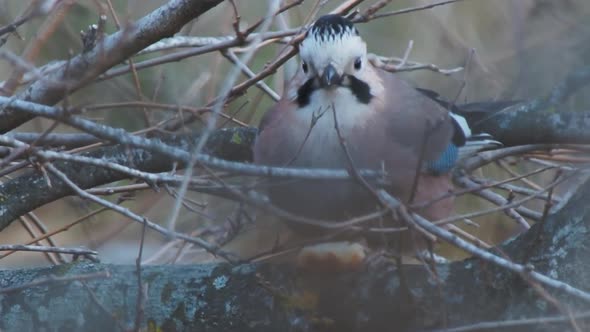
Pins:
x,y
359,89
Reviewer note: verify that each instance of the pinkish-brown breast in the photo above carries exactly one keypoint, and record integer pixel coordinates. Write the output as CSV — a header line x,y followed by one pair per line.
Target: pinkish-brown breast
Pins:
x,y
380,136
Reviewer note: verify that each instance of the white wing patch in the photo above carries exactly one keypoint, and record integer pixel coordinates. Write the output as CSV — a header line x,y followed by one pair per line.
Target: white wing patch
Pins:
x,y
462,123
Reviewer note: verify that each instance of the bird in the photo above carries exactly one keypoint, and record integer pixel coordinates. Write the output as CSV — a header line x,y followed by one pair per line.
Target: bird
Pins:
x,y
338,96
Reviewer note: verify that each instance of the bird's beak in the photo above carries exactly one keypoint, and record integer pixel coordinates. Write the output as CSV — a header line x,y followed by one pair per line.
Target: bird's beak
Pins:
x,y
330,77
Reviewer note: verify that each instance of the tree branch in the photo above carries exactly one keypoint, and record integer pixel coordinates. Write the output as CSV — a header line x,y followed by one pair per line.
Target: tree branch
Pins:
x,y
112,50
31,190
538,121
219,297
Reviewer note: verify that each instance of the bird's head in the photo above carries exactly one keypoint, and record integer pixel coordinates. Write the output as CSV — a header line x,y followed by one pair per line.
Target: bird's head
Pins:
x,y
333,52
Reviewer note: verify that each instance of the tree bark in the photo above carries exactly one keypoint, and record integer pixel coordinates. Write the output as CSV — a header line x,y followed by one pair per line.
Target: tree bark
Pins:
x,y
108,52
220,297
541,121
32,189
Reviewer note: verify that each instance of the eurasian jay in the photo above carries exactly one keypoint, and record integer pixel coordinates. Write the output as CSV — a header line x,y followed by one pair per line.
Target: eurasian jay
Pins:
x,y
384,122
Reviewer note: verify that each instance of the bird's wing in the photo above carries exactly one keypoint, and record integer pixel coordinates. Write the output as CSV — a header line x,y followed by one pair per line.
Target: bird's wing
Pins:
x,y
415,121
273,145
273,114
285,104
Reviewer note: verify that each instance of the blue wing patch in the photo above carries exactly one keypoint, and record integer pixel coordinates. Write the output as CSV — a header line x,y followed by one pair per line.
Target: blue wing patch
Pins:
x,y
445,162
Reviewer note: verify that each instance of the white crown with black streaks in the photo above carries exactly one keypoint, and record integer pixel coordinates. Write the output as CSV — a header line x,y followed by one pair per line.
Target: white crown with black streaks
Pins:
x,y
330,27
332,39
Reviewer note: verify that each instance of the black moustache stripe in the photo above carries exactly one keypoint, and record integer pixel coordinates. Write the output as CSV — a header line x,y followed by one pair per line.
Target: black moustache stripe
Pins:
x,y
305,91
359,89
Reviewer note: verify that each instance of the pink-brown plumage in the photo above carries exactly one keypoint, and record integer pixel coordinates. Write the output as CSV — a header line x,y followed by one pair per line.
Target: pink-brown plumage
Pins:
x,y
391,135
395,127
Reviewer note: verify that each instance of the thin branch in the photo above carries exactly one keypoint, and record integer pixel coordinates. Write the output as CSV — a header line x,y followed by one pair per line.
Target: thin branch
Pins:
x,y
121,136
403,65
61,229
522,270
405,10
512,204
515,323
127,213
83,68
496,199
72,251
249,73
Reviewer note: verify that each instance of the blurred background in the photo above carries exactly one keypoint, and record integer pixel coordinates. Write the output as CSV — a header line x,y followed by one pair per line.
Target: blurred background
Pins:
x,y
511,49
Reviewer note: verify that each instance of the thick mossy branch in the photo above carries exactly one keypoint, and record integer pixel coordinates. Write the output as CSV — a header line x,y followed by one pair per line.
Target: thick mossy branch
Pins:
x,y
533,123
219,297
32,190
541,121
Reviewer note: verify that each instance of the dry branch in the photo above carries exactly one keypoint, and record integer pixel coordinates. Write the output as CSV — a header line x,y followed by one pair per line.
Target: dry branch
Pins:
x,y
542,121
112,50
277,298
264,297
30,190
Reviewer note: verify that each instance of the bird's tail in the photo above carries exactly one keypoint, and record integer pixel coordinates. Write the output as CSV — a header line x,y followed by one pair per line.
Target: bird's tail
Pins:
x,y
468,142
477,143
463,145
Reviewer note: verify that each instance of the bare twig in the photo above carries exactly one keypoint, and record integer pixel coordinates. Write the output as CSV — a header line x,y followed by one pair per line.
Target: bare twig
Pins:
x,y
234,59
71,251
496,199
83,68
515,323
405,10
61,229
522,270
404,65
127,213
121,136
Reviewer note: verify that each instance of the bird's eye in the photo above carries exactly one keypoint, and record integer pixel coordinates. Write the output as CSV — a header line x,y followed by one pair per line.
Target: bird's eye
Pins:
x,y
358,63
304,67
